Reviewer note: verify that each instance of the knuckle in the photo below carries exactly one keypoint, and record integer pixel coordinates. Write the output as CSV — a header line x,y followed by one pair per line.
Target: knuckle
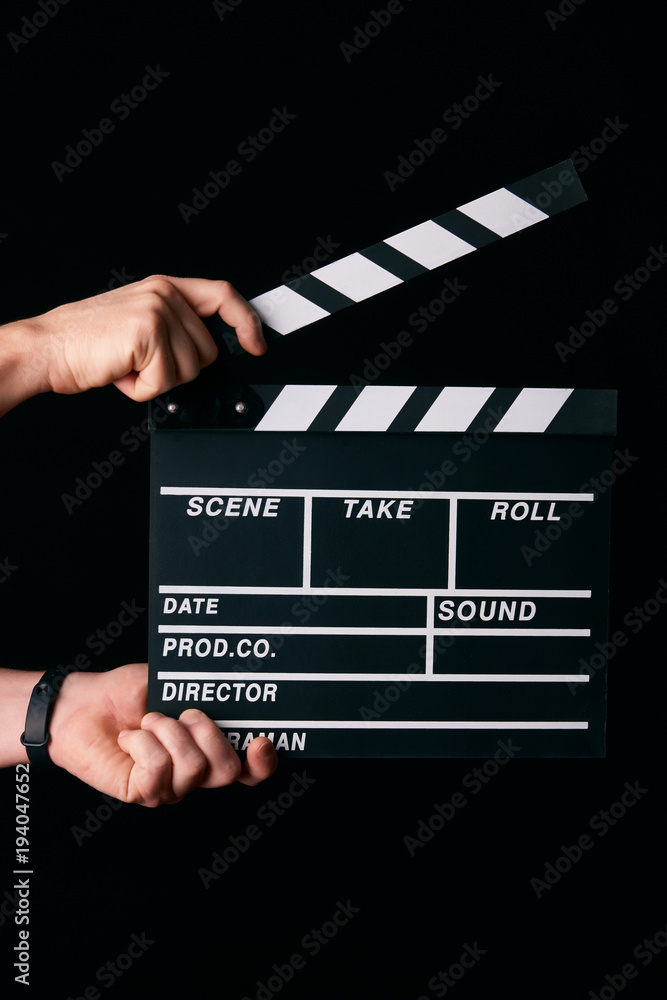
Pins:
x,y
157,322
209,734
147,796
160,285
158,760
195,764
151,719
190,366
227,290
152,800
229,769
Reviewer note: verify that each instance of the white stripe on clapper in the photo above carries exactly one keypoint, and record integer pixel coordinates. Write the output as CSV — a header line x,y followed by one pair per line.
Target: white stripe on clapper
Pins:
x,y
375,407
284,310
357,277
455,408
430,245
533,410
502,212
295,408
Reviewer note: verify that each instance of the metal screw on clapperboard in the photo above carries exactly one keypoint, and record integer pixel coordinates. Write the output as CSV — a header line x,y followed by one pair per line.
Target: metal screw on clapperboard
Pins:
x,y
215,399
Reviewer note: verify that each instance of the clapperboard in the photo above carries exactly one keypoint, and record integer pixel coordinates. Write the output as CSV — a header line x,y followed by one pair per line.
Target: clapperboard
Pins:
x,y
389,570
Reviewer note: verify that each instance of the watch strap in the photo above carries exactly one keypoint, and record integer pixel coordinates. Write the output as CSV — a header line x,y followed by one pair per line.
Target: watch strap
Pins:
x,y
35,737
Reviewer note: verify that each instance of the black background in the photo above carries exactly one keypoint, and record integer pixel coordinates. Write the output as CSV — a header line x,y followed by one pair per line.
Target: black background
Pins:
x,y
324,177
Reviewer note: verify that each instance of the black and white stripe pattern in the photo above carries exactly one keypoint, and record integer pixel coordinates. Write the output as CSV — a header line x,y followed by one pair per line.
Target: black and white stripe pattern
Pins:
x,y
419,249
457,409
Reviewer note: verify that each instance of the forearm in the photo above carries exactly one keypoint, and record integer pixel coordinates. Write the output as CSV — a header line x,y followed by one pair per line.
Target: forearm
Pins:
x,y
22,363
15,690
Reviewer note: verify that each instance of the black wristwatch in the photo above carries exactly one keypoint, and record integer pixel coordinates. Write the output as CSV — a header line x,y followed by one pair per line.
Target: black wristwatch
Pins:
x,y
36,735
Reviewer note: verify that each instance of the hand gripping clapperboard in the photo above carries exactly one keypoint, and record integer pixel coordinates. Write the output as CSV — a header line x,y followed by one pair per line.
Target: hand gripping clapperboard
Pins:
x,y
328,570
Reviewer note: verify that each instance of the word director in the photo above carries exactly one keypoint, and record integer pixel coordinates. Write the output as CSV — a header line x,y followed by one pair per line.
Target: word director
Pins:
x,y
210,691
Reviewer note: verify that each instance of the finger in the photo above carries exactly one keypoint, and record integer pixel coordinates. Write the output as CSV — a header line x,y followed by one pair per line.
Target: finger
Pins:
x,y
207,297
223,765
149,780
154,368
260,763
186,360
171,358
127,384
188,762
187,319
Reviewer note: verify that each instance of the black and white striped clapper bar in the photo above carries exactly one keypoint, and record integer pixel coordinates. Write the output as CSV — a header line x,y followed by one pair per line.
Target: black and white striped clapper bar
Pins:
x,y
422,248
399,571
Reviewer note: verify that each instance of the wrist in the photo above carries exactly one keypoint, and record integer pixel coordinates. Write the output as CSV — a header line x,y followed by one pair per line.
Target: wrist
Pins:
x,y
23,362
17,688
70,699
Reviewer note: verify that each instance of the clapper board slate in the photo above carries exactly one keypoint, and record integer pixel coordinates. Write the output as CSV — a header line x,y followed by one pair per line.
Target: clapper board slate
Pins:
x,y
401,571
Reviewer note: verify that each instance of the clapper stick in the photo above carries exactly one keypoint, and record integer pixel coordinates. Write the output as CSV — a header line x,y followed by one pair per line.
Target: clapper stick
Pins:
x,y
422,248
211,402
